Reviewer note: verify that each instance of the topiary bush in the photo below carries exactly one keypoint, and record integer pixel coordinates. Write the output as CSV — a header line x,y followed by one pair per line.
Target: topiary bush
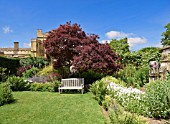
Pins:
x,y
5,94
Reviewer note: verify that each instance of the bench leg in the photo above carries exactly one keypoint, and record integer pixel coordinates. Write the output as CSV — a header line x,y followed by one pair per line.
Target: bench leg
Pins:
x,y
59,91
82,91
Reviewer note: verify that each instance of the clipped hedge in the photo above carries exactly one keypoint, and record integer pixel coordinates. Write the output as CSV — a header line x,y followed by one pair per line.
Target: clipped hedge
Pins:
x,y
10,63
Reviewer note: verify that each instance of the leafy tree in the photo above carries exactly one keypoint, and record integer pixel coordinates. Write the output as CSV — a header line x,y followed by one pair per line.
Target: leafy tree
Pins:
x,y
166,35
121,47
98,57
61,42
142,57
70,45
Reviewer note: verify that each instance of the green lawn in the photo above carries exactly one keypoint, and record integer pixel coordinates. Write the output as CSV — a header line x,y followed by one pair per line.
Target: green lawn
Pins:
x,y
51,108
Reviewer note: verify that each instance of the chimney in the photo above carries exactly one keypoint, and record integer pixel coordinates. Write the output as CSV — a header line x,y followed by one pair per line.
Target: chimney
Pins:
x,y
16,46
39,33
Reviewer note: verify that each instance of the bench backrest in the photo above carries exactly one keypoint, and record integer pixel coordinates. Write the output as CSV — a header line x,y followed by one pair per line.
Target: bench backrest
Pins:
x,y
72,82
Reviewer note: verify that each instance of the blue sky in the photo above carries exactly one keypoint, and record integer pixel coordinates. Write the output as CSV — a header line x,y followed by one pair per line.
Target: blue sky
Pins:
x,y
142,21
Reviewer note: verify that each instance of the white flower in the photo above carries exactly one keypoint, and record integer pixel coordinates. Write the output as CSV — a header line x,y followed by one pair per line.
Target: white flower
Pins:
x,y
124,94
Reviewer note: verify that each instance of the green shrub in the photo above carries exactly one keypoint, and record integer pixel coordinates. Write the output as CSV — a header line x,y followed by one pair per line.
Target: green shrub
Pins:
x,y
158,99
41,87
120,118
141,76
133,76
5,94
117,115
126,74
106,102
99,89
110,79
45,71
56,84
31,72
17,83
48,87
134,105
33,61
3,75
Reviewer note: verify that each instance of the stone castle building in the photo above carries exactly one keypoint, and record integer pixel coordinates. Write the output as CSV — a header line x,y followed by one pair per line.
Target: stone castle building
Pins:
x,y
165,57
36,50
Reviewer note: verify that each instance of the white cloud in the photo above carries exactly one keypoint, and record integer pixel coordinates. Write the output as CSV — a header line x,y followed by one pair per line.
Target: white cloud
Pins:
x,y
158,45
7,29
117,34
136,40
27,44
104,41
131,39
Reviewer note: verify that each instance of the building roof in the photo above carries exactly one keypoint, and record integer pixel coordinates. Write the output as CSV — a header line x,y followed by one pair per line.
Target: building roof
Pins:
x,y
12,49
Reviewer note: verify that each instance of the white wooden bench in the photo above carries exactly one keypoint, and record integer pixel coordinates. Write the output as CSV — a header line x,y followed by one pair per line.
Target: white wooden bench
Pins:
x,y
72,83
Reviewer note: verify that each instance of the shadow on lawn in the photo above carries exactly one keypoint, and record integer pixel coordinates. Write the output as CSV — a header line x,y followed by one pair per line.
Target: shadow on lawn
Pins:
x,y
73,92
12,102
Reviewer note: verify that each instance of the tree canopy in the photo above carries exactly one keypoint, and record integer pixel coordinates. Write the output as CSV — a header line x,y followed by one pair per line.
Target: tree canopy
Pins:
x,y
70,45
61,42
99,57
121,47
166,35
141,57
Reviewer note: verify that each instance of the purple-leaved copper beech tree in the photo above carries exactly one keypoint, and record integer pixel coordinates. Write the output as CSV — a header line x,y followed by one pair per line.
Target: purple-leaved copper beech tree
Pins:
x,y
69,45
